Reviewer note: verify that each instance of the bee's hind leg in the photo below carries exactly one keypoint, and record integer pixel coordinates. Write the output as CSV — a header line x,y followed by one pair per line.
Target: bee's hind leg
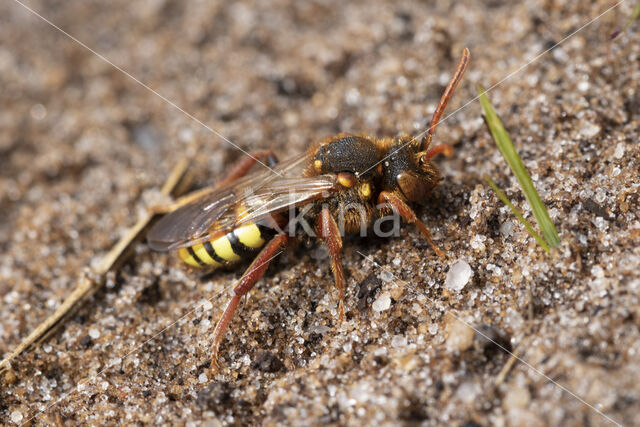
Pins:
x,y
240,169
329,232
247,281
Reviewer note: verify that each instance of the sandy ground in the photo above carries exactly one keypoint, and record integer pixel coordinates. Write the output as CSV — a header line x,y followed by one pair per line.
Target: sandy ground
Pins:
x,y
83,149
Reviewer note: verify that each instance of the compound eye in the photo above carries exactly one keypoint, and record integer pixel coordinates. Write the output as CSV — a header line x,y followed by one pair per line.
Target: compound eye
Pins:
x,y
347,179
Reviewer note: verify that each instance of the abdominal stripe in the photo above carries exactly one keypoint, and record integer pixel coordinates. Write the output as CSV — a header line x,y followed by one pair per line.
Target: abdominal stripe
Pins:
x,y
240,248
195,256
212,252
241,243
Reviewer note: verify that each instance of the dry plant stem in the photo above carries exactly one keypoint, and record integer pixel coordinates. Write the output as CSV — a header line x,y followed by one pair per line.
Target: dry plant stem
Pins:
x,y
507,367
89,283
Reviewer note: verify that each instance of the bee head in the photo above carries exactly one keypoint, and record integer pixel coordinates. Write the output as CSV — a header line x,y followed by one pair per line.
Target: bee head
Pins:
x,y
408,170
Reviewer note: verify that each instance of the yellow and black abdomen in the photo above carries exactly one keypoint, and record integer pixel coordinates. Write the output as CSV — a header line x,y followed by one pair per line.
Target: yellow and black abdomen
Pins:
x,y
243,243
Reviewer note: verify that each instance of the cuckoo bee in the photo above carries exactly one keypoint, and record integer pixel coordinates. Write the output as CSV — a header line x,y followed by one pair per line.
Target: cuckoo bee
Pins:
x,y
254,215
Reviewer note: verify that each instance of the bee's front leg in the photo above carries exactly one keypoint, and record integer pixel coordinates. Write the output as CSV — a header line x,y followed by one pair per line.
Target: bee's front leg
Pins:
x,y
409,215
445,149
329,232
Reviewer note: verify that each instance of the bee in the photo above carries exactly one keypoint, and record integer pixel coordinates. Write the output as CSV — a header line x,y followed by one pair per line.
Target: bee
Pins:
x,y
255,215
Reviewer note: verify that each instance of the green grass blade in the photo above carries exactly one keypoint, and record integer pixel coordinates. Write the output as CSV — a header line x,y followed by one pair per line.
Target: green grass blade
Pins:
x,y
518,215
635,14
514,161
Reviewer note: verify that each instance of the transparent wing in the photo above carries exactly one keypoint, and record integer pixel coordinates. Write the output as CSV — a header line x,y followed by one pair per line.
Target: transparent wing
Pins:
x,y
249,199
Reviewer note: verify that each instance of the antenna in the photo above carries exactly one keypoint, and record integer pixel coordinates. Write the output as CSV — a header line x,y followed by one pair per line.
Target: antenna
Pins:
x,y
446,96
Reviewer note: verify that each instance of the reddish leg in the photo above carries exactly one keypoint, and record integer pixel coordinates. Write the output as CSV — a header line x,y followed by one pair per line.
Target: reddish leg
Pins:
x,y
243,166
239,170
330,234
409,215
445,149
247,281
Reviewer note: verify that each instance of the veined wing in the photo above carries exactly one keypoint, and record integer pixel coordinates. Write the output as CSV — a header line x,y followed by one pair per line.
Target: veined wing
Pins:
x,y
249,199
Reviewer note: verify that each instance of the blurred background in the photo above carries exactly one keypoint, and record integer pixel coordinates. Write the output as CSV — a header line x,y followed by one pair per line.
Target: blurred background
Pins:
x,y
83,148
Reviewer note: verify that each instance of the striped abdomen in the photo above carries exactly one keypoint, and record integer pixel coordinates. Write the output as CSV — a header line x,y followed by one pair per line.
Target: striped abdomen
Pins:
x,y
242,243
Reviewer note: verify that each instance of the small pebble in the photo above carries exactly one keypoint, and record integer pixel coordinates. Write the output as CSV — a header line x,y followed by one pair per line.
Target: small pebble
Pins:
x,y
386,276
383,302
202,378
477,243
94,333
38,111
10,377
398,341
458,276
516,398
407,362
467,392
590,130
506,228
525,418
16,416
583,86
460,335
